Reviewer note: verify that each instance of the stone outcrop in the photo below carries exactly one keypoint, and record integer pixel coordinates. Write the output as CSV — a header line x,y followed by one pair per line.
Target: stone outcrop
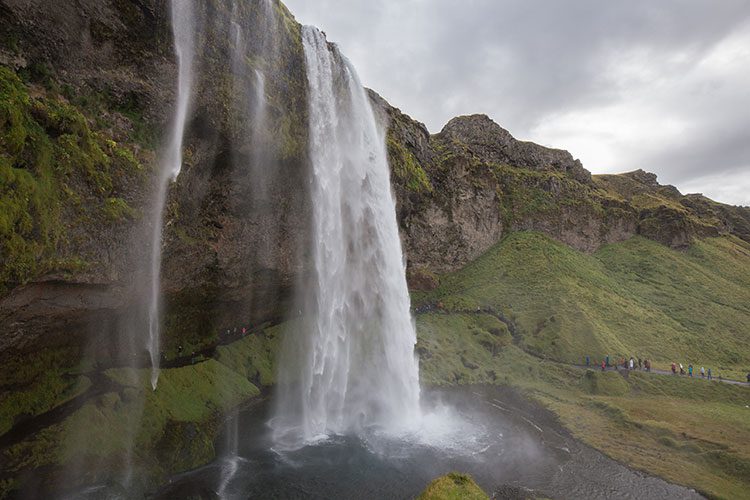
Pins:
x,y
483,183
479,136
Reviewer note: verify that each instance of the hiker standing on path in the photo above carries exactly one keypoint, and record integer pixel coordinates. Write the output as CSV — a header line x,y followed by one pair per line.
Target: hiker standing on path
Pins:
x,y
674,368
640,365
588,361
604,368
607,359
690,370
709,374
632,362
748,378
703,372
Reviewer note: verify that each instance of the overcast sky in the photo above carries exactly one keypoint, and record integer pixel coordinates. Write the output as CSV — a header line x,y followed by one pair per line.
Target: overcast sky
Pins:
x,y
662,85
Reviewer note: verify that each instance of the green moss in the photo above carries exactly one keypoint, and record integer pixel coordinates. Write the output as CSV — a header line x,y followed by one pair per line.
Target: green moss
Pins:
x,y
6,487
405,168
290,136
605,384
159,433
50,161
253,356
38,397
116,209
177,423
36,382
453,486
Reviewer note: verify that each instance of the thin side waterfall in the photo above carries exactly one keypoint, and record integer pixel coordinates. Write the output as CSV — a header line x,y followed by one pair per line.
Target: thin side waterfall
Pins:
x,y
352,368
183,28
260,99
251,109
231,459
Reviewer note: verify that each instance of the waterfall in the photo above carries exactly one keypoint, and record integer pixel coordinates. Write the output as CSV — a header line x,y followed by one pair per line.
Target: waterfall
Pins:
x,y
183,29
352,366
231,460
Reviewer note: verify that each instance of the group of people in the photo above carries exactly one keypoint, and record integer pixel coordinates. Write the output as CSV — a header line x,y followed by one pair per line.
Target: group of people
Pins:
x,y
628,364
639,364
703,371
236,332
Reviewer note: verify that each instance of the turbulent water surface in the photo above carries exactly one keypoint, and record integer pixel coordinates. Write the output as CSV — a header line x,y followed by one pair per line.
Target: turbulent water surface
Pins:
x,y
491,433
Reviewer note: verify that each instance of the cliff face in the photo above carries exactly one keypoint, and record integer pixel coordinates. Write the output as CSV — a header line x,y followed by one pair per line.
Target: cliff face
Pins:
x,y
237,218
464,189
479,184
84,86
238,215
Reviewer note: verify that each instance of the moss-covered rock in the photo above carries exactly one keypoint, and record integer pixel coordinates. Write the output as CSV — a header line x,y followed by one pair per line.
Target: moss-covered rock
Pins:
x,y
131,427
453,486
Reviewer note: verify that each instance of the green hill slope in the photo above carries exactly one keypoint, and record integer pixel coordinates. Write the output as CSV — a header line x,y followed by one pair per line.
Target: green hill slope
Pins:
x,y
636,298
529,302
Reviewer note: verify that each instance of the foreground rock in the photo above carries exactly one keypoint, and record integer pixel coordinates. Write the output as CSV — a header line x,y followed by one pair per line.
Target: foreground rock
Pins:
x,y
453,486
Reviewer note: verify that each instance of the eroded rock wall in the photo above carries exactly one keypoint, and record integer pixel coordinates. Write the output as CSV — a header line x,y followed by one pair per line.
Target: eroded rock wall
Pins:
x,y
237,218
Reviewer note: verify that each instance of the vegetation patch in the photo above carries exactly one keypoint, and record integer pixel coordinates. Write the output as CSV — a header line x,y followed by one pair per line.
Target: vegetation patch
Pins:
x,y
34,383
636,298
51,164
159,433
633,298
453,486
405,168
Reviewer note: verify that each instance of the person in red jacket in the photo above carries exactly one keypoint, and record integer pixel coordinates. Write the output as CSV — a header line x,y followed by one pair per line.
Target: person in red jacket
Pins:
x,y
604,366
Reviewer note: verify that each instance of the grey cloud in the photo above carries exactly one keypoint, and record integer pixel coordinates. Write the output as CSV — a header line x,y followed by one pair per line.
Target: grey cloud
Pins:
x,y
525,61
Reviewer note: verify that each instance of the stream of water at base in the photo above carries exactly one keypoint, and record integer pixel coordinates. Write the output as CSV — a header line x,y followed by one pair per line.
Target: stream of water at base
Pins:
x,y
492,433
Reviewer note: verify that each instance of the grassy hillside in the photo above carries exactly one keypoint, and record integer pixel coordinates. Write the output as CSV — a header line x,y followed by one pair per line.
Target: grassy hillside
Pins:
x,y
688,431
636,298
527,309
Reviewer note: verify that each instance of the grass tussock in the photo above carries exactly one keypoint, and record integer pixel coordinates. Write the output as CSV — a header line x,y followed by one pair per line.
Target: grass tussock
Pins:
x,y
453,486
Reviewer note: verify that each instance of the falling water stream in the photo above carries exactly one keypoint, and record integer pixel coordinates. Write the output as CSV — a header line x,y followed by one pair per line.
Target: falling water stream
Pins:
x,y
352,367
183,28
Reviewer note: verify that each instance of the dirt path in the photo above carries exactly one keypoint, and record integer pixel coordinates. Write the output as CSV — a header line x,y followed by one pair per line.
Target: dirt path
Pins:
x,y
665,372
